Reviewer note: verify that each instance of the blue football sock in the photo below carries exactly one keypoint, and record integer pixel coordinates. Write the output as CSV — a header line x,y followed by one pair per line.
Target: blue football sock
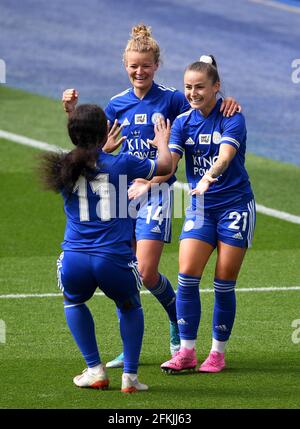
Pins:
x,y
224,309
132,331
188,306
81,325
165,294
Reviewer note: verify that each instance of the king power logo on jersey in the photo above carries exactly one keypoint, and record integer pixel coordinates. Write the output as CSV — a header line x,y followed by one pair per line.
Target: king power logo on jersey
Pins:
x,y
201,165
141,148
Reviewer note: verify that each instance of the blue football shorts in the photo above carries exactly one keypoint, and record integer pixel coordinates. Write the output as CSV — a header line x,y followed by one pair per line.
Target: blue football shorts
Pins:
x,y
79,275
232,225
153,220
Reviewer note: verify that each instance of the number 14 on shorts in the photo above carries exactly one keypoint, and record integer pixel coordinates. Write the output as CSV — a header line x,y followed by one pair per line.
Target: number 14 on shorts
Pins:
x,y
154,214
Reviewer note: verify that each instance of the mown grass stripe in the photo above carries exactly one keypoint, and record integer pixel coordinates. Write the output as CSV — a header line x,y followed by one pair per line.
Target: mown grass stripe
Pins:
x,y
16,138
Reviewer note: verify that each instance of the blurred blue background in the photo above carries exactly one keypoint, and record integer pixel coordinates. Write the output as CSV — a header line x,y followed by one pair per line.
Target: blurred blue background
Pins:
x,y
50,46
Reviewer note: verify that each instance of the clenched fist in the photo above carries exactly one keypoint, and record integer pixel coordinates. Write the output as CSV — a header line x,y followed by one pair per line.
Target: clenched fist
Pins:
x,y
69,99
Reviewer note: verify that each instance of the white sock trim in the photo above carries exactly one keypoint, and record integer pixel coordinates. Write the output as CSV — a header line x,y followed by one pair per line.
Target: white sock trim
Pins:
x,y
94,370
132,376
188,344
218,346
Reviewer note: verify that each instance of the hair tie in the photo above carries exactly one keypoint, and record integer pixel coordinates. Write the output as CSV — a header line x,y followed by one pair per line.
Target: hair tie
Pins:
x,y
206,59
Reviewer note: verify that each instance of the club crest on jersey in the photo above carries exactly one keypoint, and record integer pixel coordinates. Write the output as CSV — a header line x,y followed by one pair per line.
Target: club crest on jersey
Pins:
x,y
204,138
140,118
217,137
156,116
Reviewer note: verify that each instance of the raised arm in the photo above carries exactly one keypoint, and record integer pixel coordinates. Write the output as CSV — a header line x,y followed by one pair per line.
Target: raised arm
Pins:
x,y
69,100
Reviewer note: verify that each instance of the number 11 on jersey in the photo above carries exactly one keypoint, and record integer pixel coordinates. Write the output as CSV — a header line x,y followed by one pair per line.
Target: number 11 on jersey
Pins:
x,y
99,186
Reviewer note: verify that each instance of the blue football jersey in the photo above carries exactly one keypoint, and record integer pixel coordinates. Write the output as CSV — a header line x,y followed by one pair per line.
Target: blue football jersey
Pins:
x,y
138,116
97,209
199,138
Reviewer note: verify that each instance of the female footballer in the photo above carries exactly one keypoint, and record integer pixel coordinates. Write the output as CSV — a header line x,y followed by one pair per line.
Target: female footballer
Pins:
x,y
221,215
97,248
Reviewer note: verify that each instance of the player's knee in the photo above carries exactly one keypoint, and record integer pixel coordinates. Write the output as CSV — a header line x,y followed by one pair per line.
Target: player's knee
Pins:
x,y
226,274
130,303
150,277
190,270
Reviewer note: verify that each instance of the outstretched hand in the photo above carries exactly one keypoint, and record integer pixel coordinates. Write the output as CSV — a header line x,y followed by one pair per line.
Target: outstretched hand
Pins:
x,y
113,142
138,188
162,132
203,185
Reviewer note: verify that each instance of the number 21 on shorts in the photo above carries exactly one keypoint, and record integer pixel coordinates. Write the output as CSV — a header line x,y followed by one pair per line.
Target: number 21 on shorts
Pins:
x,y
237,217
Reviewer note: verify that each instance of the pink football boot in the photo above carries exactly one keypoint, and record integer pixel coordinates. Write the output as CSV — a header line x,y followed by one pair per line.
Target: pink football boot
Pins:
x,y
182,360
215,362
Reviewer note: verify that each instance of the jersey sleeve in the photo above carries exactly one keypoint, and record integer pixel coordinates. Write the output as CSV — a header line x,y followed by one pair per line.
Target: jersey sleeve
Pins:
x,y
140,168
176,143
110,113
179,105
234,131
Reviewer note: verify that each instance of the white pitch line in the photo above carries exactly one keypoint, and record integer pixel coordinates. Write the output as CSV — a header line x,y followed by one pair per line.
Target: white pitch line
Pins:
x,y
278,214
146,292
286,7
16,138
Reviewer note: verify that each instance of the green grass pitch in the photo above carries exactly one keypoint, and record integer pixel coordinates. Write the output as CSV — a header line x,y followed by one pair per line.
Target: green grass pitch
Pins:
x,y
39,357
